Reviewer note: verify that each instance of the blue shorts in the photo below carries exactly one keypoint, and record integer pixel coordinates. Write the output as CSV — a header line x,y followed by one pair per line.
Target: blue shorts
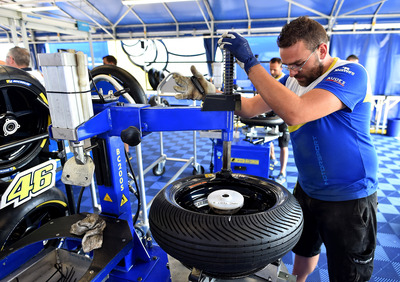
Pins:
x,y
348,230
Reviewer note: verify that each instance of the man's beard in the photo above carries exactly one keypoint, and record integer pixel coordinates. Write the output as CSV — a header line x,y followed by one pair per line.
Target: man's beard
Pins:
x,y
307,79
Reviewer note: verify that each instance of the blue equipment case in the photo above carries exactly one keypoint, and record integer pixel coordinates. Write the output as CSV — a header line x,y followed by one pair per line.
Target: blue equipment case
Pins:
x,y
246,157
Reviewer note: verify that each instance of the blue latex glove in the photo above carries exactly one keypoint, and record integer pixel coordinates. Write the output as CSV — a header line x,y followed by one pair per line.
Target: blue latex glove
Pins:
x,y
239,47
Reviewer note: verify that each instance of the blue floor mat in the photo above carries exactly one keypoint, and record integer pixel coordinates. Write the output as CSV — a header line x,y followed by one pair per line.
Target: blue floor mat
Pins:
x,y
180,145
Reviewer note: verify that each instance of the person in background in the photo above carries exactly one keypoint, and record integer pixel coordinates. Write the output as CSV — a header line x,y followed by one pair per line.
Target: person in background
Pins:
x,y
275,68
21,58
109,60
352,58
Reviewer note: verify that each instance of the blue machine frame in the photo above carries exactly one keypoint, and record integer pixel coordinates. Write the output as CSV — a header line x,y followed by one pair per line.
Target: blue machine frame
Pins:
x,y
135,258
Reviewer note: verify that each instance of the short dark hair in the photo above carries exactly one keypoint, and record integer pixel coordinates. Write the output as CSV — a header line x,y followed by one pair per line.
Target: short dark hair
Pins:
x,y
352,56
110,59
275,60
303,29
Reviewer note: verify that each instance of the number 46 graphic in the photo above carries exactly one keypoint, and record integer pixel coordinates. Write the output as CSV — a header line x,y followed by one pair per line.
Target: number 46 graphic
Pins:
x,y
30,183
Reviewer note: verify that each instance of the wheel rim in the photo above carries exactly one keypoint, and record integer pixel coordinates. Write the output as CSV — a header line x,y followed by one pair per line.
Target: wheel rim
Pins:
x,y
106,83
23,116
256,198
117,77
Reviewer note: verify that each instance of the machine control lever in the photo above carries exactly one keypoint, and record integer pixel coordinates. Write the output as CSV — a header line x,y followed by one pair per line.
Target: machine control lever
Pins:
x,y
131,136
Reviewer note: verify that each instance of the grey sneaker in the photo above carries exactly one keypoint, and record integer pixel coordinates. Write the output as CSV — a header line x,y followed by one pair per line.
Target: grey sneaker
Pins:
x,y
280,178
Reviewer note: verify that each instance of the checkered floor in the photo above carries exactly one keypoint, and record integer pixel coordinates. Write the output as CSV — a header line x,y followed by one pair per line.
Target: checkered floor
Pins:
x,y
387,255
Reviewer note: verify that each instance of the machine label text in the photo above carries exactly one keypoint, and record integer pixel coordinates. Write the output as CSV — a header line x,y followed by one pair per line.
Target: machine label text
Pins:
x,y
120,172
245,161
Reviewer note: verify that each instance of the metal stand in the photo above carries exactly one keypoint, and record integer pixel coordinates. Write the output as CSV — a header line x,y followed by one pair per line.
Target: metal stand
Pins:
x,y
274,272
382,105
164,89
165,84
258,135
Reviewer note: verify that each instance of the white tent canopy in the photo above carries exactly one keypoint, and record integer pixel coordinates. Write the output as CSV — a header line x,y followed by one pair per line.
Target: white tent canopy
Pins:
x,y
39,21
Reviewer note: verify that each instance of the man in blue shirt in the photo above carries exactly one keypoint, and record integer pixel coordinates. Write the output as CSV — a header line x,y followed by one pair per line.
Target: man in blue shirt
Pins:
x,y
326,102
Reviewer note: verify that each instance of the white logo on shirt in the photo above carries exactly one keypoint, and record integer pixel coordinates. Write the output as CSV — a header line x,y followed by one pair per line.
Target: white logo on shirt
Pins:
x,y
345,69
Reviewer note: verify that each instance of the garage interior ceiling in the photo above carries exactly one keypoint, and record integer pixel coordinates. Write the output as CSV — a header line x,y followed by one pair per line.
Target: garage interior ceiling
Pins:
x,y
39,21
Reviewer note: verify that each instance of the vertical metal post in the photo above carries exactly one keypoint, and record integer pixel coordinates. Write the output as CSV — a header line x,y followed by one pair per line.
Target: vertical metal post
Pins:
x,y
95,203
14,34
68,188
91,50
24,35
226,155
195,164
228,73
228,90
144,216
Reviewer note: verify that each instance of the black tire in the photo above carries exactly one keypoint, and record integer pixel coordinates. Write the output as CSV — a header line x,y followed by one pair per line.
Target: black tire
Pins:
x,y
23,103
16,223
226,246
262,121
152,79
159,77
125,79
155,77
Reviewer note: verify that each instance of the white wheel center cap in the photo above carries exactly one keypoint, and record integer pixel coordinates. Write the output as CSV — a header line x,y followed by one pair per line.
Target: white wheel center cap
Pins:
x,y
225,201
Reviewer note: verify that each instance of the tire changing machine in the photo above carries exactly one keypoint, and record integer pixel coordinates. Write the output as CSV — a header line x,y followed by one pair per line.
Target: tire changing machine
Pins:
x,y
125,255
